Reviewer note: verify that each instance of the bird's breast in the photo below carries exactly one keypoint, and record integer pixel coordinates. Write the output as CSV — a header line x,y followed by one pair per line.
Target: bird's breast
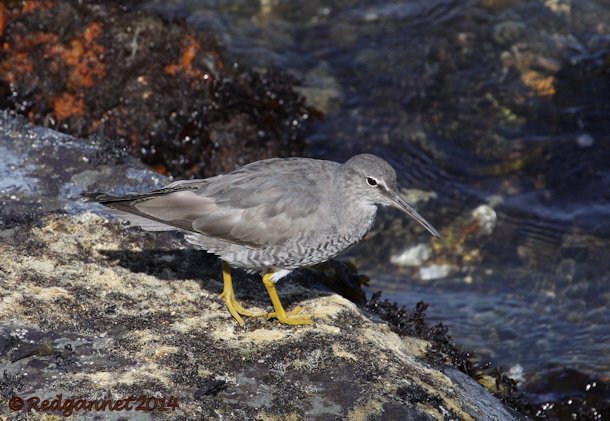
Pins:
x,y
351,225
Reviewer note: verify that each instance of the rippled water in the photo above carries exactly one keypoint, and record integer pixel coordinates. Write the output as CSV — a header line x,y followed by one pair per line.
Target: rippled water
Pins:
x,y
504,104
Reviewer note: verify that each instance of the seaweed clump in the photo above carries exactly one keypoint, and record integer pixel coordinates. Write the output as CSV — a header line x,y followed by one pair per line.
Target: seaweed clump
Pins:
x,y
412,323
159,89
444,351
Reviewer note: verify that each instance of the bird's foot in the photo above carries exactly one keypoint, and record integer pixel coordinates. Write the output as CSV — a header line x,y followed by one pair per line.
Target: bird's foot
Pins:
x,y
292,317
232,303
237,310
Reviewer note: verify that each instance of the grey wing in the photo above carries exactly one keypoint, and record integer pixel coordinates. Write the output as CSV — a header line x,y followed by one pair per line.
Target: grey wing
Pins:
x,y
261,204
126,207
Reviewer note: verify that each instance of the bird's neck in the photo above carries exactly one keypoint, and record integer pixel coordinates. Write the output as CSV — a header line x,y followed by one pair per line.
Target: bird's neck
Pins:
x,y
354,213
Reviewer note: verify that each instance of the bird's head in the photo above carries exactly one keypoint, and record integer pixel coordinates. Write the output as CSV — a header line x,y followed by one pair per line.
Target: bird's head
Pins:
x,y
375,181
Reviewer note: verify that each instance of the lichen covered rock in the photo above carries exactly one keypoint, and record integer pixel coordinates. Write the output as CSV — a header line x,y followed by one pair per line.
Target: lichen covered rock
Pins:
x,y
94,311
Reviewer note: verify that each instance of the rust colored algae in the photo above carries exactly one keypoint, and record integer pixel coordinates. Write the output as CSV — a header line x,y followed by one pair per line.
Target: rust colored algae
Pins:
x,y
66,105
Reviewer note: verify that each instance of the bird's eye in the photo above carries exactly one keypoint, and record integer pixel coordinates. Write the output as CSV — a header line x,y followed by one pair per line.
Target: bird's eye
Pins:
x,y
371,181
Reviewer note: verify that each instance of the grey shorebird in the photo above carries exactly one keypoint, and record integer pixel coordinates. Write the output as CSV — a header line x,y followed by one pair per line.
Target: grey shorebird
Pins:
x,y
271,216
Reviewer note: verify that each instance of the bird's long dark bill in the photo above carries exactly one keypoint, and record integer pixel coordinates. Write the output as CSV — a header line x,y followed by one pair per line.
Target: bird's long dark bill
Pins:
x,y
401,204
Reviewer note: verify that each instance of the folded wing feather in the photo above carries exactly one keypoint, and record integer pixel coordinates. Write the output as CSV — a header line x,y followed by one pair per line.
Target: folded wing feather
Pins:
x,y
255,206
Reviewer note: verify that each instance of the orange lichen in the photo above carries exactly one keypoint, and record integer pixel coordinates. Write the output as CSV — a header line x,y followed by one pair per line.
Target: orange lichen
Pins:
x,y
29,6
86,67
18,63
83,56
92,31
35,39
3,18
18,57
185,63
171,69
189,53
160,168
66,105
540,85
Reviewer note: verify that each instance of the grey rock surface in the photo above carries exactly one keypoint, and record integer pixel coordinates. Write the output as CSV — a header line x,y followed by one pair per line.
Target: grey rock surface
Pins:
x,y
93,311
43,171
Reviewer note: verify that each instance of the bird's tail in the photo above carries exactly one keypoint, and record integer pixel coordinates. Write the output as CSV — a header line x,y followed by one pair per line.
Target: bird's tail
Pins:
x,y
132,207
176,186
104,198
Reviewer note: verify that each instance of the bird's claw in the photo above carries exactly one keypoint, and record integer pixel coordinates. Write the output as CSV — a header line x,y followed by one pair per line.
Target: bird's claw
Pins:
x,y
292,317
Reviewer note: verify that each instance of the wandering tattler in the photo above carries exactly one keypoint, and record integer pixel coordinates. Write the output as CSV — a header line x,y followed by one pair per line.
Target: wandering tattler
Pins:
x,y
271,216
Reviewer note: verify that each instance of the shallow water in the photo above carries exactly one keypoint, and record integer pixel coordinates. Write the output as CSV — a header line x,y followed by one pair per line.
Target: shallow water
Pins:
x,y
496,103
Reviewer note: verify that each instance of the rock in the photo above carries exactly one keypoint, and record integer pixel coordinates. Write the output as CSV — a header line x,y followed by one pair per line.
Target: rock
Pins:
x,y
429,273
413,256
159,88
486,217
43,171
322,90
91,310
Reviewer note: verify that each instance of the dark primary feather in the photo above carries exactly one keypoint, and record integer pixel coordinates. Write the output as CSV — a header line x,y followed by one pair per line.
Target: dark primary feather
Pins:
x,y
104,198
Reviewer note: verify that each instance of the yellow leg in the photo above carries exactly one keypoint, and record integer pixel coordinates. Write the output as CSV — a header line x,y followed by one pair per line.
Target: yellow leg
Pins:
x,y
232,304
292,317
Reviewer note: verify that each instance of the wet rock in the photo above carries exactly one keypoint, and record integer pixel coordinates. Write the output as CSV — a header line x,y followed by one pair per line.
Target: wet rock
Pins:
x,y
508,32
45,172
413,256
322,90
578,396
92,310
431,272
